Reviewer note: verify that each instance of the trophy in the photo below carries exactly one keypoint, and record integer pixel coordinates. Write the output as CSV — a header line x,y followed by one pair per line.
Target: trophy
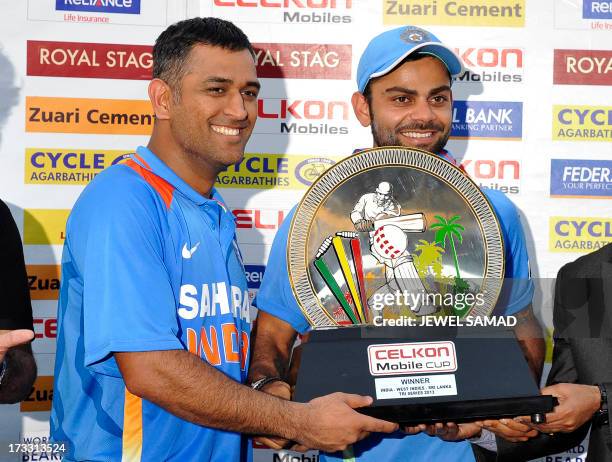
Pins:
x,y
385,244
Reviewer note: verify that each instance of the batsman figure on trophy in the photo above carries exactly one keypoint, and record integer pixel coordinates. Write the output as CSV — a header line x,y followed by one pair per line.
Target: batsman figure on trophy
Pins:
x,y
389,245
379,214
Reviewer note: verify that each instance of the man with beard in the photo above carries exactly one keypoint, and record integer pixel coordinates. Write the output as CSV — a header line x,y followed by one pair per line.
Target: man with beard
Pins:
x,y
404,80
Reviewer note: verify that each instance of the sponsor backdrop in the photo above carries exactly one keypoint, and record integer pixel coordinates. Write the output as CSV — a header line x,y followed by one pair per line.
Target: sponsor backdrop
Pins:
x,y
529,119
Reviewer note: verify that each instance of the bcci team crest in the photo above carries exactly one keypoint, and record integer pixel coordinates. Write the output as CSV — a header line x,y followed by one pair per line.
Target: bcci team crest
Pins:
x,y
415,35
392,232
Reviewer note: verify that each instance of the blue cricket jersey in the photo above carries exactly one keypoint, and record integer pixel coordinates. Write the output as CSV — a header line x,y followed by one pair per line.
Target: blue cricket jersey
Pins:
x,y
148,264
276,297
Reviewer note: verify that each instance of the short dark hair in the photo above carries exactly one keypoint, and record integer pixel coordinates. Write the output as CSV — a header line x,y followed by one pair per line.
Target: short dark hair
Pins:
x,y
174,44
367,91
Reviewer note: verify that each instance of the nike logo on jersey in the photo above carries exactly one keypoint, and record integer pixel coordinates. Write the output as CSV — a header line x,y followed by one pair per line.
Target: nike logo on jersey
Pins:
x,y
188,253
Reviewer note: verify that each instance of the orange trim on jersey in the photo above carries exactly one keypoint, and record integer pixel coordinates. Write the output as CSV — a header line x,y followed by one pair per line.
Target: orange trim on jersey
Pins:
x,y
132,428
165,189
144,162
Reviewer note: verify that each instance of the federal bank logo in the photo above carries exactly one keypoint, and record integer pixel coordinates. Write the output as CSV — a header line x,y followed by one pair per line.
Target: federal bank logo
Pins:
x,y
302,116
100,6
273,171
581,178
582,123
88,115
488,13
579,234
303,61
495,65
68,166
501,120
583,67
326,12
596,9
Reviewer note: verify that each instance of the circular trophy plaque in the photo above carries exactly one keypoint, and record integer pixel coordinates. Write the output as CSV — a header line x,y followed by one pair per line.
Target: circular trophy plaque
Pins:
x,y
394,232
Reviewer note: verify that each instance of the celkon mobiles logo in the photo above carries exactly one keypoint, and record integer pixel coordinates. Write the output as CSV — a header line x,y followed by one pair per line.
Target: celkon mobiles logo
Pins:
x,y
501,65
287,11
302,116
100,6
258,218
502,175
45,328
583,67
412,358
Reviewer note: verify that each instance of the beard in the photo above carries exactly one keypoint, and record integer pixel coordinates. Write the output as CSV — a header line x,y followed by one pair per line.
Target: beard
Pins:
x,y
391,137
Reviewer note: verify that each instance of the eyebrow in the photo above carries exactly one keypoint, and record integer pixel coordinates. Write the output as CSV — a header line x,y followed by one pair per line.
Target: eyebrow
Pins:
x,y
250,83
410,91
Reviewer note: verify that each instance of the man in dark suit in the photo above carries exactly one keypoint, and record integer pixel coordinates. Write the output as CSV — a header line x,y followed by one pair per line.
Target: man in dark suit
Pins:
x,y
581,373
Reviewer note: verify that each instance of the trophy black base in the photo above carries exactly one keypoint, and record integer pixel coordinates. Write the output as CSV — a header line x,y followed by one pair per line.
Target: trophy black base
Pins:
x,y
424,374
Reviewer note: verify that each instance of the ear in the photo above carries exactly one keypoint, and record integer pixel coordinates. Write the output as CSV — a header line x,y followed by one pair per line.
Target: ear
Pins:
x,y
361,108
160,95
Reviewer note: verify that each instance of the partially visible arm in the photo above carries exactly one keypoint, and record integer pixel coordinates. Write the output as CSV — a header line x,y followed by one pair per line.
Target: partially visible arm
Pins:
x,y
16,327
193,390
20,371
531,338
272,345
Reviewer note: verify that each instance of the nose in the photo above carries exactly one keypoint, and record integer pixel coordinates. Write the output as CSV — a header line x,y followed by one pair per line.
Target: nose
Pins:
x,y
235,107
422,111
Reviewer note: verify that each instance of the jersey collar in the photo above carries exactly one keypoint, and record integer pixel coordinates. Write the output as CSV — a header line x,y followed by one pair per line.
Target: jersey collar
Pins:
x,y
146,159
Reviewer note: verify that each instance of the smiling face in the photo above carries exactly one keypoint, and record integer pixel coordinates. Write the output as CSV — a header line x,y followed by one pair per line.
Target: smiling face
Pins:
x,y
212,117
411,106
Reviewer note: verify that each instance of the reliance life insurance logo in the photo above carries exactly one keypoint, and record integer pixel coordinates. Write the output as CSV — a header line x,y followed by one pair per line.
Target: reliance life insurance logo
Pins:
x,y
596,9
581,178
100,6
